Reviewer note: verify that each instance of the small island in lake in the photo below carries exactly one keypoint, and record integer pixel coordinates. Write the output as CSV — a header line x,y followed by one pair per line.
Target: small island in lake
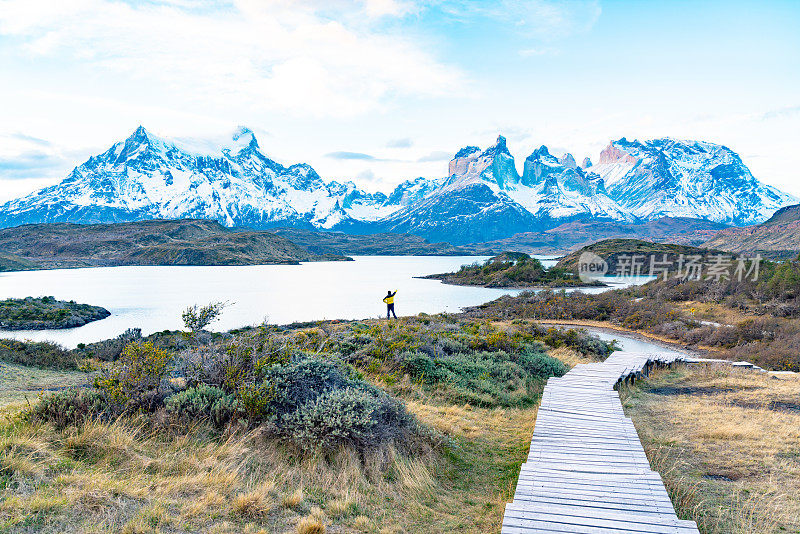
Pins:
x,y
512,269
47,313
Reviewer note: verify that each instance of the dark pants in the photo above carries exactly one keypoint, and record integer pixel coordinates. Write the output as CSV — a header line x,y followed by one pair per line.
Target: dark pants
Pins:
x,y
390,309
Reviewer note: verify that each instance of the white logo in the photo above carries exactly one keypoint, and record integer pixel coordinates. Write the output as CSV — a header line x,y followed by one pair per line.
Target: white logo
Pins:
x,y
591,267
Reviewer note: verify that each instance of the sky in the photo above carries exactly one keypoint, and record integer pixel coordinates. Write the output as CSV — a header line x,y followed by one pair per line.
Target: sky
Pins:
x,y
379,91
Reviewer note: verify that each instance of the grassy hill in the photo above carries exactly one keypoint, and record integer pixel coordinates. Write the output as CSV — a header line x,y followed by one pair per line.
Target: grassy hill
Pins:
x,y
158,242
572,235
12,262
778,237
612,249
389,244
418,425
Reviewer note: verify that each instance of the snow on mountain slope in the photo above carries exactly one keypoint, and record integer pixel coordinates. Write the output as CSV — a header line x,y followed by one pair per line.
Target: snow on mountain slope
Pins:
x,y
485,198
482,198
147,177
668,177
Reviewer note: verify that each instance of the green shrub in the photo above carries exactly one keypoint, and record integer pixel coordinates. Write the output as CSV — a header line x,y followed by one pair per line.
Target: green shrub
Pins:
x,y
205,402
360,416
423,368
135,379
37,354
486,378
72,407
541,365
110,349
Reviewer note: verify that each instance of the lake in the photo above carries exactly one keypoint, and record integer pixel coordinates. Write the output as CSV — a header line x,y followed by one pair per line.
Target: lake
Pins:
x,y
152,298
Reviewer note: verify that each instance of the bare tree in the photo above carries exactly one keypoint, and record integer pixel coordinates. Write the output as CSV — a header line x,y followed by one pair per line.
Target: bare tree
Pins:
x,y
196,318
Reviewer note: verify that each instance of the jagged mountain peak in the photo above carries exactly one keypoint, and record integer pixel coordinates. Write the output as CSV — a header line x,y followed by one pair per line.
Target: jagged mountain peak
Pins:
x,y
466,151
231,180
685,178
542,154
499,147
139,133
568,161
244,138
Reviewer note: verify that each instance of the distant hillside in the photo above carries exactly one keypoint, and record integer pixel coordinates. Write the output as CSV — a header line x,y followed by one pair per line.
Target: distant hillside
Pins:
x,y
383,244
158,242
612,249
779,236
11,262
575,234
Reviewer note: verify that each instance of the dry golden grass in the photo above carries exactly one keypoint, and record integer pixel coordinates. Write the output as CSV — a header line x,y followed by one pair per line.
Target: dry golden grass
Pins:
x,y
310,525
711,311
727,443
571,357
128,477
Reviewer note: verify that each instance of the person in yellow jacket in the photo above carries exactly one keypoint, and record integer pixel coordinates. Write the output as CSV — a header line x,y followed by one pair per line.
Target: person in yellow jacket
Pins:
x,y
389,300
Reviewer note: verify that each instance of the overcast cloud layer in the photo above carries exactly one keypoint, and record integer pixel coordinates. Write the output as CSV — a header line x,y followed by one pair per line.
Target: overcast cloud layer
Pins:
x,y
383,90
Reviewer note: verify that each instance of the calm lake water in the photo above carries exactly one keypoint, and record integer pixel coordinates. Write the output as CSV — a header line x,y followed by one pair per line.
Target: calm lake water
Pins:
x,y
152,298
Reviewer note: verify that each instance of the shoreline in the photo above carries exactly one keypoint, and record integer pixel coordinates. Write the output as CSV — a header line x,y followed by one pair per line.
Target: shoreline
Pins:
x,y
635,334
516,288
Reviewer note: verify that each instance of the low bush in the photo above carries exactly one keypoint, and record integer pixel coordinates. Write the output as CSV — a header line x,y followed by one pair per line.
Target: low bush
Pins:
x,y
205,402
71,407
37,354
486,378
357,415
135,381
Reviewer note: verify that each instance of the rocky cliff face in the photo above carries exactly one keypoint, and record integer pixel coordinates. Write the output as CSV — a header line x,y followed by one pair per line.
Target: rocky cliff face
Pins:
x,y
674,178
485,198
482,198
148,177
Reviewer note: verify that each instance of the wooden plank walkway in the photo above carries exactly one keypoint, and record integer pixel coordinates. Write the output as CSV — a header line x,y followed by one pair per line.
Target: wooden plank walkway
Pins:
x,y
587,472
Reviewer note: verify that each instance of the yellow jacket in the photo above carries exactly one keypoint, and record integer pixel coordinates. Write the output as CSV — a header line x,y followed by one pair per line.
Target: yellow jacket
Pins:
x,y
389,299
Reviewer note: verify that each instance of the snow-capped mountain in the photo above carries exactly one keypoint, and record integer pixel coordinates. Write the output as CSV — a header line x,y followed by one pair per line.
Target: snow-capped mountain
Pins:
x,y
667,177
146,177
485,198
482,198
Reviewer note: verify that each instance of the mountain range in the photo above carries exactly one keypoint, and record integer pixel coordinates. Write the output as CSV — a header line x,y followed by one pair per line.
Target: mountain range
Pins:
x,y
777,237
482,198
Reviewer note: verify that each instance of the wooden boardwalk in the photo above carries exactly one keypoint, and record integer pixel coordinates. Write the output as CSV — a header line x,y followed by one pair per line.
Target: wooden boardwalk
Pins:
x,y
587,472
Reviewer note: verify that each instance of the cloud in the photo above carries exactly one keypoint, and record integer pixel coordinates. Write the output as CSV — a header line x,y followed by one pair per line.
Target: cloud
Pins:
x,y
366,176
542,51
546,20
781,113
30,139
400,143
275,55
350,155
394,8
30,165
436,156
